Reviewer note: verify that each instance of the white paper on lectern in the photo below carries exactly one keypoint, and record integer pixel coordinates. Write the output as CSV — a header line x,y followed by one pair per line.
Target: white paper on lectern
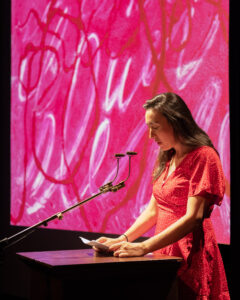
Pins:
x,y
94,243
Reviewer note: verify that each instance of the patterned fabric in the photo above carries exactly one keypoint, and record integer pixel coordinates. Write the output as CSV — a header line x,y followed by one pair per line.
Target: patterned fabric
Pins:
x,y
202,274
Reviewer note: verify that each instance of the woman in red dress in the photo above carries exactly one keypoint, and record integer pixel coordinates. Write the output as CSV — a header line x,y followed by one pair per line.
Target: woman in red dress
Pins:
x,y
188,181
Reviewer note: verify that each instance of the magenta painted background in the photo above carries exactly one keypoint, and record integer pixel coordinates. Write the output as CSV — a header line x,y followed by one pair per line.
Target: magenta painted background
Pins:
x,y
80,73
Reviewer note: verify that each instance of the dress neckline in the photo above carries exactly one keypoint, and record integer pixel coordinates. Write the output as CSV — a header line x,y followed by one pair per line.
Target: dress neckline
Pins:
x,y
166,176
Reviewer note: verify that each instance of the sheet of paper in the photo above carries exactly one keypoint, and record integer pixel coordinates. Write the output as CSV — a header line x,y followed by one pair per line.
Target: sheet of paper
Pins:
x,y
94,243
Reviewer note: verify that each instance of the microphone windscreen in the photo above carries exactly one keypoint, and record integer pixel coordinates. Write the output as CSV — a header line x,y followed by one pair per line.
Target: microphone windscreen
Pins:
x,y
131,153
119,155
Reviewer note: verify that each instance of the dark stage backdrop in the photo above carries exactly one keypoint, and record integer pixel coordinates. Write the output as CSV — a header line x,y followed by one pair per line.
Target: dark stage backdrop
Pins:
x,y
80,73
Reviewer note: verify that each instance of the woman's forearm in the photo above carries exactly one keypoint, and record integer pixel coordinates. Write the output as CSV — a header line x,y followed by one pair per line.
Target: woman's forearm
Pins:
x,y
196,208
144,222
170,235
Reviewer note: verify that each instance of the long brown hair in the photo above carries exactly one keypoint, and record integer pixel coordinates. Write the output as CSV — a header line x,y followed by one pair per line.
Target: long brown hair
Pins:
x,y
186,130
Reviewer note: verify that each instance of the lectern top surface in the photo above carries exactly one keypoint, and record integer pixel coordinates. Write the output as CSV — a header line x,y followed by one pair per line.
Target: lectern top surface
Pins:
x,y
86,256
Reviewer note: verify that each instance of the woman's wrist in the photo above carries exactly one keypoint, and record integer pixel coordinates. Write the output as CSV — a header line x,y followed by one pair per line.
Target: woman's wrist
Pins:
x,y
146,247
123,238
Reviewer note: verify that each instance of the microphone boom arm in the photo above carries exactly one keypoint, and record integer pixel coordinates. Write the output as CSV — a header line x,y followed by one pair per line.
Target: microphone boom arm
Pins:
x,y
8,241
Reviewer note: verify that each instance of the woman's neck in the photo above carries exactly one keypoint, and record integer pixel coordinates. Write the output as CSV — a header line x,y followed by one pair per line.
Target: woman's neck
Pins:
x,y
181,151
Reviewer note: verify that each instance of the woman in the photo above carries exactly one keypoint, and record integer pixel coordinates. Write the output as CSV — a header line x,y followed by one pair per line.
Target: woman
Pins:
x,y
187,181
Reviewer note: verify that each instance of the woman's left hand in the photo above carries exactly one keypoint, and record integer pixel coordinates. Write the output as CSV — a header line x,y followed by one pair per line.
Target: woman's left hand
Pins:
x,y
125,249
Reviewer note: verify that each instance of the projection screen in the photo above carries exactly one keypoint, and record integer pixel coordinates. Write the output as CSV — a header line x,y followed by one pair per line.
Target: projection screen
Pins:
x,y
80,73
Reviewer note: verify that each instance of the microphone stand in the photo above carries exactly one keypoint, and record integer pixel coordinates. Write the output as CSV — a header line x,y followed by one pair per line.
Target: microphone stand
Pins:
x,y
108,187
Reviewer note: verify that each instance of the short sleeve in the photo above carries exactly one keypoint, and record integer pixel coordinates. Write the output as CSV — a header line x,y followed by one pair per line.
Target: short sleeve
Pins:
x,y
206,176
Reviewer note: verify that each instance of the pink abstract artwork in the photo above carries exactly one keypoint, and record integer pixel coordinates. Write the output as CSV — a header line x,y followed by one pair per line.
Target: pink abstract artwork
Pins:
x,y
80,73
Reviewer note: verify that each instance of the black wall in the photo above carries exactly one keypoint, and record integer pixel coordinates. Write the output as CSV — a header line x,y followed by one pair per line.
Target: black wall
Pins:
x,y
13,277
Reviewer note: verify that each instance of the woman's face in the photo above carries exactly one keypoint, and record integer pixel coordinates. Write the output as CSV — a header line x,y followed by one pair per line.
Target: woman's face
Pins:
x,y
160,130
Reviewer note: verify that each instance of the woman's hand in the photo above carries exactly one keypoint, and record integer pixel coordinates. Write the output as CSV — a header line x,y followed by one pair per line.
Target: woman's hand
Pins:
x,y
108,242
125,249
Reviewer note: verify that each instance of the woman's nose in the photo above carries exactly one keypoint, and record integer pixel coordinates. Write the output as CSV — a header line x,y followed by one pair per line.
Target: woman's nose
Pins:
x,y
150,135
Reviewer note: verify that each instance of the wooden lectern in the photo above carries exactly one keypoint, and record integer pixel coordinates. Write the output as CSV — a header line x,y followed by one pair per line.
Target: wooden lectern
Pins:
x,y
78,274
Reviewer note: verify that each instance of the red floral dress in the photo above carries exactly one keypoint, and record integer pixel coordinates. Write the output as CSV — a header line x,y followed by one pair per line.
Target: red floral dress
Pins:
x,y
202,274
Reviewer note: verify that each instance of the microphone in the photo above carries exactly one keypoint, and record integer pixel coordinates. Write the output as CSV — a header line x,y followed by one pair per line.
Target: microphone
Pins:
x,y
131,153
107,186
122,183
119,155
